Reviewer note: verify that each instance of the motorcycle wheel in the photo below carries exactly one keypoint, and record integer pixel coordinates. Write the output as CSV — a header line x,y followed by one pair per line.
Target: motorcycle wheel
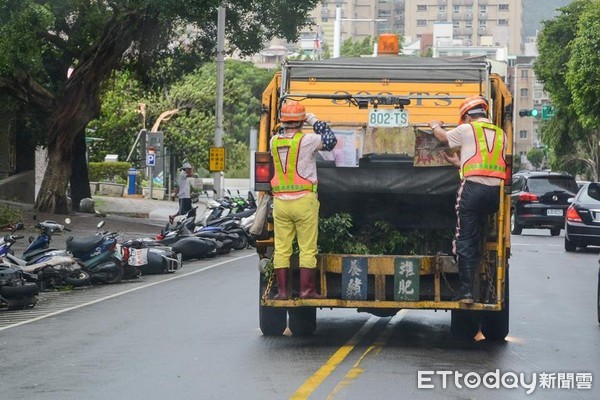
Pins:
x,y
117,275
241,243
78,279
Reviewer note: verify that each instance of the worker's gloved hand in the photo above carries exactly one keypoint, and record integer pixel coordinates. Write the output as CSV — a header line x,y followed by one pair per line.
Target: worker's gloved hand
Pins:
x,y
311,119
434,124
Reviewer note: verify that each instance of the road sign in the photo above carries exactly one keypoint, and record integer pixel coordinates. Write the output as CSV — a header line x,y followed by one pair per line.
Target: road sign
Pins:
x,y
216,159
548,111
150,159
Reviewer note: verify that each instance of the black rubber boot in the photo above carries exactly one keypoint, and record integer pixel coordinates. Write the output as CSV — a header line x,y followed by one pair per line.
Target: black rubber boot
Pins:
x,y
465,277
282,284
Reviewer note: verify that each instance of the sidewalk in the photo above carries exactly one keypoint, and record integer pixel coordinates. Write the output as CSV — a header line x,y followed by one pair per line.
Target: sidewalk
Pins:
x,y
134,207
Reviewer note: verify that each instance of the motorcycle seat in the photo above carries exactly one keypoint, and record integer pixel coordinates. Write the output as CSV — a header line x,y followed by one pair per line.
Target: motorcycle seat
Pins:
x,y
84,244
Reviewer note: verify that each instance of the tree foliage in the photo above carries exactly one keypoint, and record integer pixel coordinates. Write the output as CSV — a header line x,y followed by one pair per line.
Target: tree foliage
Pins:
x,y
583,75
535,157
351,48
190,133
564,133
42,40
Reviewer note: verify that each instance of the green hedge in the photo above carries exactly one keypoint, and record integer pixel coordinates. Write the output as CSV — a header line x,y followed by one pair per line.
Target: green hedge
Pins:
x,y
108,171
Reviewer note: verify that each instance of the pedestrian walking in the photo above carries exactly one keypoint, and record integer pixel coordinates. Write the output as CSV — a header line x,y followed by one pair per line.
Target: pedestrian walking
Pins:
x,y
183,191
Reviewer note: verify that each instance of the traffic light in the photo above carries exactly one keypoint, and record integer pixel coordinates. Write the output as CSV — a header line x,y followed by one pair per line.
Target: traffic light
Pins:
x,y
529,113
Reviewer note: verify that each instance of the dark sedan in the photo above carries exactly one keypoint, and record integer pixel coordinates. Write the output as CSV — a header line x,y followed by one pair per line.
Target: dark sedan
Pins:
x,y
582,223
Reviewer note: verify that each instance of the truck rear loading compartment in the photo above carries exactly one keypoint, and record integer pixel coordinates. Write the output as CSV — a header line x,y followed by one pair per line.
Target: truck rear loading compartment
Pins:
x,y
389,188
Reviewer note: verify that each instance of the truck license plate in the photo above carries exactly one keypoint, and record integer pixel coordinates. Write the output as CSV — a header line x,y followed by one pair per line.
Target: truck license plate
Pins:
x,y
388,118
554,212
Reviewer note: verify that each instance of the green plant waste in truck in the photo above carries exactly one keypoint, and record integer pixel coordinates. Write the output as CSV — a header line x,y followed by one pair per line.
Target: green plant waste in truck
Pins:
x,y
386,179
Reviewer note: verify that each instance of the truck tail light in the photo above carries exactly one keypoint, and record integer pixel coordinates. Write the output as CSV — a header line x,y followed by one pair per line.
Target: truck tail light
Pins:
x,y
528,198
573,215
263,171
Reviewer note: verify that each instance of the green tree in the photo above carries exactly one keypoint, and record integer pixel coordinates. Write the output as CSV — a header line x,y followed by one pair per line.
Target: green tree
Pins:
x,y
119,120
563,133
41,40
351,48
583,74
189,134
535,157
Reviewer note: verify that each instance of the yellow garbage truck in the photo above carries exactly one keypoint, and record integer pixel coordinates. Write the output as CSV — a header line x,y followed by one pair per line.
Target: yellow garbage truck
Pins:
x,y
387,171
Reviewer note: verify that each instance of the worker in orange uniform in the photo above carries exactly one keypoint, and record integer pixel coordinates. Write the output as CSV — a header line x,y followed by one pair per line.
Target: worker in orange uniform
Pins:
x,y
482,148
295,202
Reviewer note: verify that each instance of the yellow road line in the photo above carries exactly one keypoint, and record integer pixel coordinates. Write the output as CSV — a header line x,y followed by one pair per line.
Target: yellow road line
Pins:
x,y
340,355
376,347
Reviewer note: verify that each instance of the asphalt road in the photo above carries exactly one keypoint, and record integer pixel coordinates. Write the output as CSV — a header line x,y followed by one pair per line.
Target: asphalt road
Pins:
x,y
194,335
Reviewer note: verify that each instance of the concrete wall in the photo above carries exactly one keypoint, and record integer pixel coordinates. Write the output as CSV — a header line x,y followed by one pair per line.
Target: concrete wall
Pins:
x,y
18,187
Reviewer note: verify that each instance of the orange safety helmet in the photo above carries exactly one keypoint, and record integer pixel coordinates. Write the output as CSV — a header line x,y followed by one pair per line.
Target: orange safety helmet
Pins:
x,y
471,103
292,111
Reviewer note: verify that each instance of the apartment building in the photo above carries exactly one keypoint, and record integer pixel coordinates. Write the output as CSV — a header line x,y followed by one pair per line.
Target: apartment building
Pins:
x,y
359,19
528,94
475,22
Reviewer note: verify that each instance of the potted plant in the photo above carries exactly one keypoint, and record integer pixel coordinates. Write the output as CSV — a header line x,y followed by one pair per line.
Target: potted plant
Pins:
x,y
158,190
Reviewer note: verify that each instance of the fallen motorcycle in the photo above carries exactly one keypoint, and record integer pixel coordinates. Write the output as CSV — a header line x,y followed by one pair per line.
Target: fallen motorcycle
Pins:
x,y
145,256
15,292
48,271
98,255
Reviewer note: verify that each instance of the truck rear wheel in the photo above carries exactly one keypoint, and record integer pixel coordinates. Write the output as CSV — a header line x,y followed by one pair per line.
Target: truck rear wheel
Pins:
x,y
464,324
272,320
495,324
303,320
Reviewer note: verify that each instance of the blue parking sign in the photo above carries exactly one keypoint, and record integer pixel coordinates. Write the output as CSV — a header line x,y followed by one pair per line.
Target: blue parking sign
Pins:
x,y
150,160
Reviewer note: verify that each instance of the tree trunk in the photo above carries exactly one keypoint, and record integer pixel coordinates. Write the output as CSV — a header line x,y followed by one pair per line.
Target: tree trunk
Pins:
x,y
78,105
80,181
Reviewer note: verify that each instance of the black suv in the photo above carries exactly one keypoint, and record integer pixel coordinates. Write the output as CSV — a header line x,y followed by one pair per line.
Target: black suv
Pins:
x,y
540,200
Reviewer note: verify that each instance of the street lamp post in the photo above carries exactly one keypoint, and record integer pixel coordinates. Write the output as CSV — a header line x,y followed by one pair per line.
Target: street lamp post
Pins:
x,y
337,28
218,175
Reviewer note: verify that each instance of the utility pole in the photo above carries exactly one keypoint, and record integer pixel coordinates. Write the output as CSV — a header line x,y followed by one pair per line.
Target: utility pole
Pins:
x,y
218,175
337,29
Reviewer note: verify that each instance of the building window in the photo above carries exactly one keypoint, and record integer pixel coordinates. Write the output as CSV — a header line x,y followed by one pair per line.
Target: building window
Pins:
x,y
502,7
421,8
524,73
442,9
455,9
482,23
421,22
469,24
524,92
503,22
456,24
523,134
482,9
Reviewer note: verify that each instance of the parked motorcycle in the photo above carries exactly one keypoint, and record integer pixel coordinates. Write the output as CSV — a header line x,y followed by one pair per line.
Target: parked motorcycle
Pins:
x,y
48,271
98,255
39,246
15,292
145,256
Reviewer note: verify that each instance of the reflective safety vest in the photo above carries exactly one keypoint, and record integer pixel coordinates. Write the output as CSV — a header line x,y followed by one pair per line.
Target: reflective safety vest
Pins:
x,y
286,178
486,162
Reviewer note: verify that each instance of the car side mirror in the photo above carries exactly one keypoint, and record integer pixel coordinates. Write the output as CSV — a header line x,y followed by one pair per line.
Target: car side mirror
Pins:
x,y
570,200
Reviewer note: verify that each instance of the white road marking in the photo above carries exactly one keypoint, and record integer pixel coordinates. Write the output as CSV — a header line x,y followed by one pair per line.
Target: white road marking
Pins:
x,y
51,314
